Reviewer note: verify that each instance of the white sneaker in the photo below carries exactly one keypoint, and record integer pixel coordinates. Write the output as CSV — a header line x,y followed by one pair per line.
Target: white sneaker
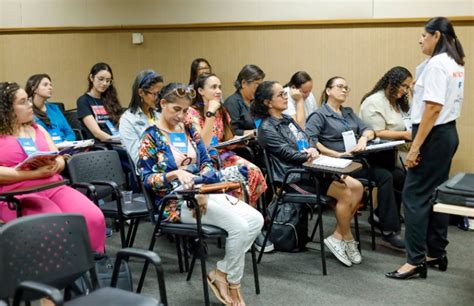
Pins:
x,y
338,248
353,252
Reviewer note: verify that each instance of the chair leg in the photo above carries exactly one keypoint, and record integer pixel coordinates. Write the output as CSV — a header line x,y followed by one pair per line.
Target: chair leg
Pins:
x,y
255,269
371,207
314,229
178,251
321,238
191,268
185,251
134,232
356,228
122,232
203,272
268,233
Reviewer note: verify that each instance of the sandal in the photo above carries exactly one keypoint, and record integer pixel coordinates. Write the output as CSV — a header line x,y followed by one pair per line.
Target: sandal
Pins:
x,y
236,287
212,284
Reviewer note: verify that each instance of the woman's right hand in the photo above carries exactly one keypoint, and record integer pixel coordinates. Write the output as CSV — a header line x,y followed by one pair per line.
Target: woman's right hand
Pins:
x,y
214,105
185,178
43,171
407,135
296,94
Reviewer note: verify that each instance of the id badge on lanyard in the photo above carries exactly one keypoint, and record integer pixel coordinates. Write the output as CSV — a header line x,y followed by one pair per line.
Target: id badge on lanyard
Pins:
x,y
56,136
100,114
179,141
349,140
27,144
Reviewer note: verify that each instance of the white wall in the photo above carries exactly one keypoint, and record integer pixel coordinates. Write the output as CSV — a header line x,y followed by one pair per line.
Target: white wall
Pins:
x,y
63,13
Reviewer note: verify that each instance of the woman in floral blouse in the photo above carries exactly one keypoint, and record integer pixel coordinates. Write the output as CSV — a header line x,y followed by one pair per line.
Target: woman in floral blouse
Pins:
x,y
172,153
213,124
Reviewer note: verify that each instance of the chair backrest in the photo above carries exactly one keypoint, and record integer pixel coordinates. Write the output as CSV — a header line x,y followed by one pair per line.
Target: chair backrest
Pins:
x,y
49,248
269,172
96,165
71,117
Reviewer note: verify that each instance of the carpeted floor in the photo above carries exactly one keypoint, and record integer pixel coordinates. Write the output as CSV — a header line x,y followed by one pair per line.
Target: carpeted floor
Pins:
x,y
296,278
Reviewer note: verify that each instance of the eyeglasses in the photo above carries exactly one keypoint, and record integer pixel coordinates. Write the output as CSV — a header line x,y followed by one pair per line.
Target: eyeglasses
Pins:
x,y
182,92
283,94
104,80
341,87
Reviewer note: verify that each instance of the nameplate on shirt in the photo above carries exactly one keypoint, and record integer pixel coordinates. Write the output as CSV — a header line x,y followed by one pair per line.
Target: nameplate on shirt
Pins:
x,y
55,135
257,122
100,114
179,141
214,141
112,128
27,144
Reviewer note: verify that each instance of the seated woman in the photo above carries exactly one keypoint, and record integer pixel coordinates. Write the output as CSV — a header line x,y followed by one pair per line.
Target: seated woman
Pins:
x,y
39,88
165,164
238,104
19,135
141,112
385,108
277,134
330,127
198,66
213,124
99,109
301,101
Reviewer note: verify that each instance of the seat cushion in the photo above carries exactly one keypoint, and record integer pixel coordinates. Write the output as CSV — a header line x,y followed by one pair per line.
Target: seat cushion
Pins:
x,y
113,297
130,210
188,229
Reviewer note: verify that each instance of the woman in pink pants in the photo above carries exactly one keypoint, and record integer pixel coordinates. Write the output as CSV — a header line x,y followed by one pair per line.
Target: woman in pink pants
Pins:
x,y
19,137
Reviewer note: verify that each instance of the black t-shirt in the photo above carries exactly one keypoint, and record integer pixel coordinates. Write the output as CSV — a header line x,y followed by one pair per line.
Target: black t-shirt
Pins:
x,y
239,114
88,105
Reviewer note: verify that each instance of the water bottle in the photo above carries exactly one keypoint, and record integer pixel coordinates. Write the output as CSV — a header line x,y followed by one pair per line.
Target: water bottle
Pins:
x,y
302,141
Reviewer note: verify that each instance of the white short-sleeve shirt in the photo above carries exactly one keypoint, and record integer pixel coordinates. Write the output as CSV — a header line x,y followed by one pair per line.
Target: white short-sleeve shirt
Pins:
x,y
309,104
378,113
441,80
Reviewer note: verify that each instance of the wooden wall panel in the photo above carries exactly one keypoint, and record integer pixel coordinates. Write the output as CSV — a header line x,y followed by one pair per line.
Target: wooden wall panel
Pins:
x,y
360,53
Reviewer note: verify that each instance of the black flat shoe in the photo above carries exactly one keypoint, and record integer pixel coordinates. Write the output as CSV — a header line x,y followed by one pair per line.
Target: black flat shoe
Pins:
x,y
440,263
420,270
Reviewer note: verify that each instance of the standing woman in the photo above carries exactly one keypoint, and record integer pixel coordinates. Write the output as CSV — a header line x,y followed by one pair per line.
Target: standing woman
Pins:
x,y
437,100
166,163
39,88
213,124
99,109
141,112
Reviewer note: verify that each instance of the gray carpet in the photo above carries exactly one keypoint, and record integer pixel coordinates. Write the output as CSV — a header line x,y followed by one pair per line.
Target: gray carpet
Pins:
x,y
296,278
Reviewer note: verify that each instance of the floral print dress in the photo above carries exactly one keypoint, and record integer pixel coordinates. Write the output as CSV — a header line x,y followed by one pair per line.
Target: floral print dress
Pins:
x,y
256,181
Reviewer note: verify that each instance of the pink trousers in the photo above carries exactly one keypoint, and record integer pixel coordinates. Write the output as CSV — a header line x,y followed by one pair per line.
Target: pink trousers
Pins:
x,y
63,199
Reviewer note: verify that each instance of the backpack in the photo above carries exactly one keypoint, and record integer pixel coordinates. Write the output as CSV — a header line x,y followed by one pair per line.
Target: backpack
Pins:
x,y
290,227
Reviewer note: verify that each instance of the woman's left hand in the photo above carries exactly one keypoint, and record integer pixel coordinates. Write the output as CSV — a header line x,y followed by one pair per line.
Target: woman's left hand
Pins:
x,y
413,158
361,145
312,154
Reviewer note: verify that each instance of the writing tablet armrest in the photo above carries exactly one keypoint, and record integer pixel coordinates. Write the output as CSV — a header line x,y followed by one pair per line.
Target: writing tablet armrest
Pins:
x,y
32,189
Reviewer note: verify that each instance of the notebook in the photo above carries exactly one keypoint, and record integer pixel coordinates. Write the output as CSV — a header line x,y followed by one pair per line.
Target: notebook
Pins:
x,y
333,162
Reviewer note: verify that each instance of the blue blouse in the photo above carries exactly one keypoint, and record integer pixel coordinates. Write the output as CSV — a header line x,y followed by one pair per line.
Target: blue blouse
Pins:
x,y
59,128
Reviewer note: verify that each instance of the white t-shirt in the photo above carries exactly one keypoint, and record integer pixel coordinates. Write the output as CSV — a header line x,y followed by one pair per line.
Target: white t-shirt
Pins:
x,y
309,104
378,113
441,80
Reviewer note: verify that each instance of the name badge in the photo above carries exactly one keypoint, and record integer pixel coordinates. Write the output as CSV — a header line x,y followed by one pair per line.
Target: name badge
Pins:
x,y
257,122
214,141
27,144
349,140
179,141
112,128
407,122
100,114
56,136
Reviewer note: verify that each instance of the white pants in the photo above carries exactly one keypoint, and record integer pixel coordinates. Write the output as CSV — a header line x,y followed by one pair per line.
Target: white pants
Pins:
x,y
242,222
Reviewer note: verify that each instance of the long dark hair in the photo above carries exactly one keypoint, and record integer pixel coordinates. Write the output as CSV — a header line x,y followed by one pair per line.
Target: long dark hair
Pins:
x,y
198,103
7,115
393,79
194,69
31,86
324,96
448,41
145,80
264,92
298,79
109,97
249,73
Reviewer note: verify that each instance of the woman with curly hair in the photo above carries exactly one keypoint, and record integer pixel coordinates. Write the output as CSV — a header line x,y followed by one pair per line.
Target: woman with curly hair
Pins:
x,y
99,109
21,136
172,153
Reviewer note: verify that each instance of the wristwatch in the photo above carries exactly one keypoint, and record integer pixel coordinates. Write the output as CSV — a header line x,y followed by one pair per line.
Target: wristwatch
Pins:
x,y
210,114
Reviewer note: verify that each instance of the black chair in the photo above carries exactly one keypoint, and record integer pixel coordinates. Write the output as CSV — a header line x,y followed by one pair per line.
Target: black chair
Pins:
x,y
10,197
197,231
100,175
45,253
71,117
284,194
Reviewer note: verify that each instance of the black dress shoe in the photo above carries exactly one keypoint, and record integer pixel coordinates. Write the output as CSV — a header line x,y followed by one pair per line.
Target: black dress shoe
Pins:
x,y
441,263
420,270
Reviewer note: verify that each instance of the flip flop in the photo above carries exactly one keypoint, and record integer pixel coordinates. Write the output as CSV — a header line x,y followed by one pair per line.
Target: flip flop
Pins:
x,y
214,288
236,287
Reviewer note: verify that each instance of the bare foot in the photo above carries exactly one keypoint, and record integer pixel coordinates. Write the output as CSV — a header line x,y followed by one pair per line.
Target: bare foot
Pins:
x,y
217,280
405,268
236,295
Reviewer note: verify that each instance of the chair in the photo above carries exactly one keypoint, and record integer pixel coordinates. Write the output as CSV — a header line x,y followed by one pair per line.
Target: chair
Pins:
x,y
10,197
317,200
100,175
45,253
60,105
71,117
199,231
